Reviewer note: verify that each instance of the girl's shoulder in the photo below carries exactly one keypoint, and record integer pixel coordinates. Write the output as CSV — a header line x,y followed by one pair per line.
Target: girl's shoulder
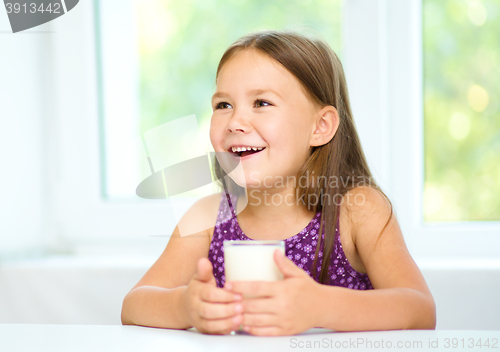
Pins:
x,y
369,212
361,209
201,216
366,199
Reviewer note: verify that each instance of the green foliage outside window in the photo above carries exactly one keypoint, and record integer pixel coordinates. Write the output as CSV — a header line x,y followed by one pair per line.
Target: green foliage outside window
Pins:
x,y
461,59
182,41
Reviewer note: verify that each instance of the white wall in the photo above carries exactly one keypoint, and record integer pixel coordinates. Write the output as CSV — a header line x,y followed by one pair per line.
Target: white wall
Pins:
x,y
90,291
67,290
23,106
466,295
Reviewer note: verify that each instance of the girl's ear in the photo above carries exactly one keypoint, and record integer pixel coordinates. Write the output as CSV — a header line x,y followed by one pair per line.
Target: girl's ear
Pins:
x,y
325,126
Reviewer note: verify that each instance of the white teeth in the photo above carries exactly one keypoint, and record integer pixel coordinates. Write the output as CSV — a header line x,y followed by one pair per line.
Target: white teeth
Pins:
x,y
244,149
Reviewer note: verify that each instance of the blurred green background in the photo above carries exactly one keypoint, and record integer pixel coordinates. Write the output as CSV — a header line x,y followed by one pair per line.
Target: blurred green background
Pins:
x,y
180,44
461,58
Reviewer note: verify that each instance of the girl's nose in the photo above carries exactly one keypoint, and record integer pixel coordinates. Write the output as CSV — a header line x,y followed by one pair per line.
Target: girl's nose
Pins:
x,y
238,122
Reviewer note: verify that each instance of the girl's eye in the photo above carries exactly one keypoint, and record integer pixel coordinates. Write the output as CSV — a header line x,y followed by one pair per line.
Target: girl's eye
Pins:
x,y
222,105
262,103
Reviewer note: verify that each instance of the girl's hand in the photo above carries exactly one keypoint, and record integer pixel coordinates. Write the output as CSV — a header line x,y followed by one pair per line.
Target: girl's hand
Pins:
x,y
210,309
284,307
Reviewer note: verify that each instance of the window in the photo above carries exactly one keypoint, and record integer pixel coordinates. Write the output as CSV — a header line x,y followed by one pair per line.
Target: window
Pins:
x,y
461,110
384,59
158,60
407,58
162,69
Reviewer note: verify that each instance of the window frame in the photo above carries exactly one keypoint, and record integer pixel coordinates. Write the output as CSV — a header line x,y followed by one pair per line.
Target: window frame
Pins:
x,y
85,221
390,122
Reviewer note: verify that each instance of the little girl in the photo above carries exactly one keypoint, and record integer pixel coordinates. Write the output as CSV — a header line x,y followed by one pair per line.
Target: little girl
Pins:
x,y
281,108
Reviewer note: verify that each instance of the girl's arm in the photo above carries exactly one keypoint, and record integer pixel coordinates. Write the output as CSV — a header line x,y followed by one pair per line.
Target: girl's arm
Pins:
x,y
401,298
155,306
155,299
179,290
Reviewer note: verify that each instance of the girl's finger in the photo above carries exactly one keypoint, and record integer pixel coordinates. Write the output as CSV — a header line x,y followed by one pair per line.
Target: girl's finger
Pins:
x,y
253,288
287,267
260,305
220,326
204,271
260,319
218,295
219,310
263,330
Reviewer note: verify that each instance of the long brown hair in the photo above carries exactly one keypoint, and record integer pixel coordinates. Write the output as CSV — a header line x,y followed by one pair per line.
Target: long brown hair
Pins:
x,y
342,159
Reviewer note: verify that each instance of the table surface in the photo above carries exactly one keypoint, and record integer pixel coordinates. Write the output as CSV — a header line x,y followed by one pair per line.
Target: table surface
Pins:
x,y
54,338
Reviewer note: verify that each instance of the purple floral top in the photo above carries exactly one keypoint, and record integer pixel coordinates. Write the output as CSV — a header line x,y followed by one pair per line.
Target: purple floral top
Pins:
x,y
299,248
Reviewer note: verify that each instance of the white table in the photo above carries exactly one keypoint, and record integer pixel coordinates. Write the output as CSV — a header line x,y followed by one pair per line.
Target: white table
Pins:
x,y
95,338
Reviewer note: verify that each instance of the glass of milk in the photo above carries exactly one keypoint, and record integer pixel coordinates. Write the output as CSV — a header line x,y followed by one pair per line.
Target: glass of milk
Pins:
x,y
252,260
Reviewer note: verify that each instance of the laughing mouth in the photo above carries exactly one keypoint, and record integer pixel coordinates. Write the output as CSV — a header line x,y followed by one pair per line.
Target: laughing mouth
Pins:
x,y
244,151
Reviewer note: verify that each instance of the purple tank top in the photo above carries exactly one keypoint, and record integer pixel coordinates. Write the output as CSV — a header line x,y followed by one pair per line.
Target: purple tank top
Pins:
x,y
299,248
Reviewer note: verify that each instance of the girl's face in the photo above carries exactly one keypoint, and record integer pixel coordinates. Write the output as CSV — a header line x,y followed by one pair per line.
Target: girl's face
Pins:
x,y
260,104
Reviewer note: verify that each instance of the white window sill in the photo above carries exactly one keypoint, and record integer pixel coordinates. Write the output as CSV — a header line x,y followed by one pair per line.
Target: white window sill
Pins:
x,y
89,289
144,261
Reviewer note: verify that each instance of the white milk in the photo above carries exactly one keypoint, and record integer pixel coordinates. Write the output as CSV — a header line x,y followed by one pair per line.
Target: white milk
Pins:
x,y
252,260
